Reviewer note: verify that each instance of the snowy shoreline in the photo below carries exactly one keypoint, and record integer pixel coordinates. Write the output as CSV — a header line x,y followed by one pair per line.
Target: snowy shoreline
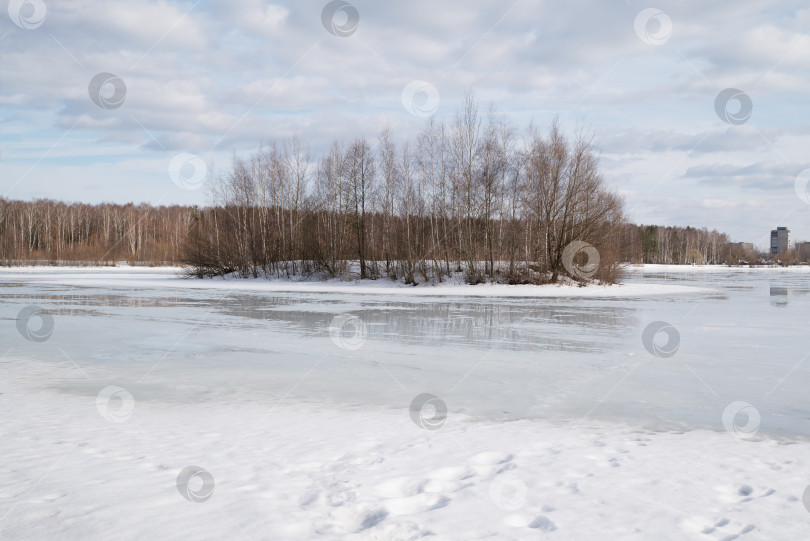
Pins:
x,y
172,277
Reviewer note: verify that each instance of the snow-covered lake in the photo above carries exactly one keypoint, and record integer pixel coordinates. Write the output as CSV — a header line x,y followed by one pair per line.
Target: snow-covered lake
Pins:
x,y
297,404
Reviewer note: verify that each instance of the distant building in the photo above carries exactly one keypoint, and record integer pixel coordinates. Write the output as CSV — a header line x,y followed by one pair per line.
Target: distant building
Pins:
x,y
745,247
780,240
802,251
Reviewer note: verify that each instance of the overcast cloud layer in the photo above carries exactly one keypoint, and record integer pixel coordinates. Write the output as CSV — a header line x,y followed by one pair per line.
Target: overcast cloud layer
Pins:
x,y
220,76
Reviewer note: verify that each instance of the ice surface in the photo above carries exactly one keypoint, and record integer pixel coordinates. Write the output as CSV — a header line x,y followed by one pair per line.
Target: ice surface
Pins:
x,y
560,423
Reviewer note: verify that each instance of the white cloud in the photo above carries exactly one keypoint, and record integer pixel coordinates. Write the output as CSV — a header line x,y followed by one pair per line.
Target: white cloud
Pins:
x,y
718,204
235,73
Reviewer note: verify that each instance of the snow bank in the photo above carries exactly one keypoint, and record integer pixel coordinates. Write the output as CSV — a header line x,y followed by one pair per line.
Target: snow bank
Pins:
x,y
650,268
172,277
75,467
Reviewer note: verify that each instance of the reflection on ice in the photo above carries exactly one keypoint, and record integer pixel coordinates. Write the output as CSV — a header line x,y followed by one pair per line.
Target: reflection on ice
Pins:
x,y
779,296
520,325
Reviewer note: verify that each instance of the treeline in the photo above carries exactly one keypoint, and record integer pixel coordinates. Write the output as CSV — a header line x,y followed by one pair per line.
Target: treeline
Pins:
x,y
672,245
469,196
49,231
54,231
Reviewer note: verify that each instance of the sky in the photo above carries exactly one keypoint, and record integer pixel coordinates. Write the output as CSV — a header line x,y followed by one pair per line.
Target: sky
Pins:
x,y
699,110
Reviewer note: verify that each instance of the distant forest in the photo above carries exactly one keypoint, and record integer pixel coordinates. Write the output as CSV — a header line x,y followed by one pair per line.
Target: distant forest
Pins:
x,y
48,231
468,196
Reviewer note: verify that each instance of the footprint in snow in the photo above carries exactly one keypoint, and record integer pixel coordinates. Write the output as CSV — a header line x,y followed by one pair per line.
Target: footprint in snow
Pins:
x,y
341,497
703,525
734,493
398,487
491,458
721,528
451,473
352,519
539,522
419,503
401,531
491,463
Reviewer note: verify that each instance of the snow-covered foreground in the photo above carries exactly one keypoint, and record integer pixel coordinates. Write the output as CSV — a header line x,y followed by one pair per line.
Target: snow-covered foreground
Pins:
x,y
152,407
293,471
